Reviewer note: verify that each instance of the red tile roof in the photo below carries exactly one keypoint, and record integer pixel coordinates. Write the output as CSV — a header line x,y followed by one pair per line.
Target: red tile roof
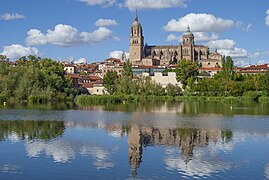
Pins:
x,y
210,69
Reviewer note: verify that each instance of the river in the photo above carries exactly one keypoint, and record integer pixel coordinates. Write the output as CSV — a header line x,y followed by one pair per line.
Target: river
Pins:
x,y
191,140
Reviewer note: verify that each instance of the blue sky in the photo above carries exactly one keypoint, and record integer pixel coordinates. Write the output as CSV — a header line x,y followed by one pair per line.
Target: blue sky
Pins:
x,y
68,29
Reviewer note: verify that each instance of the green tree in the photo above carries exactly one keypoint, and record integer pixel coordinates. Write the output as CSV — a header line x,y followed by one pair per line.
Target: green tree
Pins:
x,y
110,82
3,58
186,70
228,69
173,90
127,68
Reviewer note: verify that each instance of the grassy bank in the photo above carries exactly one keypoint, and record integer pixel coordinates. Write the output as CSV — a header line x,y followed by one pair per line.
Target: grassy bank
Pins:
x,y
84,100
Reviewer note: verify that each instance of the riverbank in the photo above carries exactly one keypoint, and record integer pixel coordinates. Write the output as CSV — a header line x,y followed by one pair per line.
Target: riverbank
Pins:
x,y
85,100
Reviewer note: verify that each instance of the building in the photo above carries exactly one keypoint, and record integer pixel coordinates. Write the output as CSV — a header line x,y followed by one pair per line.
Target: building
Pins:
x,y
69,68
166,55
253,69
164,78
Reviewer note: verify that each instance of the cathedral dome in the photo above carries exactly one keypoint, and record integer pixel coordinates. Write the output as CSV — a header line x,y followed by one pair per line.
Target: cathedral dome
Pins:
x,y
136,22
188,32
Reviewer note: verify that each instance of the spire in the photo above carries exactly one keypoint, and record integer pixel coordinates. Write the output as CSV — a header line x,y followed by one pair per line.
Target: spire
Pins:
x,y
188,28
136,17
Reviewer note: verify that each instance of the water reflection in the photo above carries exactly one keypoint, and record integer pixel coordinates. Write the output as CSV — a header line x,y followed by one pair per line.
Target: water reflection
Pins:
x,y
185,140
192,146
20,130
189,108
11,168
40,139
60,151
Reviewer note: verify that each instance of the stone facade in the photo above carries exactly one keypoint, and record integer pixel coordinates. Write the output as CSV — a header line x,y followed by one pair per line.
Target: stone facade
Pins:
x,y
164,78
166,55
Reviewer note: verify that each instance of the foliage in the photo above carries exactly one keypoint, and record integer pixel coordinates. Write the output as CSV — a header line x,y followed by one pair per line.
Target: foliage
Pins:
x,y
31,130
43,79
186,70
110,82
127,68
104,99
173,90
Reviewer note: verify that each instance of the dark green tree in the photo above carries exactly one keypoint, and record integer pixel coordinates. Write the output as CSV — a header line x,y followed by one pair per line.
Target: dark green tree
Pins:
x,y
186,70
110,82
127,69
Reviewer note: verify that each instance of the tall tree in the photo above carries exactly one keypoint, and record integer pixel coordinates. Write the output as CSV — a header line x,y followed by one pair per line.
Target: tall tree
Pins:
x,y
127,67
228,67
110,82
186,70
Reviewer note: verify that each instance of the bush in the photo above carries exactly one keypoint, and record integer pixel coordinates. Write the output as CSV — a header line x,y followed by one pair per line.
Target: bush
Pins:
x,y
85,100
254,95
2,99
231,100
37,99
264,99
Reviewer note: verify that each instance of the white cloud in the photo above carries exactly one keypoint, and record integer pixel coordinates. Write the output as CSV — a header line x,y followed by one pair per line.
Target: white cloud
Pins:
x,y
66,35
173,37
80,61
267,18
13,16
234,53
132,5
36,37
118,54
98,35
241,62
239,24
199,36
15,51
104,3
222,44
105,22
202,36
227,47
199,23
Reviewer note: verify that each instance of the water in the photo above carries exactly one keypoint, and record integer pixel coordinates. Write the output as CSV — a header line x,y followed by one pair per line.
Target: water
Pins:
x,y
146,141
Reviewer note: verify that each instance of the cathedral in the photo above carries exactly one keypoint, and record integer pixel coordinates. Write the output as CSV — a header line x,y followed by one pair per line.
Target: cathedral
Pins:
x,y
146,55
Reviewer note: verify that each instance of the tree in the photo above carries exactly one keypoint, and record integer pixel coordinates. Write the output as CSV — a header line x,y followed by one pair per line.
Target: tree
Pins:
x,y
186,70
228,68
173,90
128,71
110,81
3,58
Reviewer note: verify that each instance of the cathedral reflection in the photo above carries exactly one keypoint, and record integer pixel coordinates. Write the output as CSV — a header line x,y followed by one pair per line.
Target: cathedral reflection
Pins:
x,y
139,137
183,138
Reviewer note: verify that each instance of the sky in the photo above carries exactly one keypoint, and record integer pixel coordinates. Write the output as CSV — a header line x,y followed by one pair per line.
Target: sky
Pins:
x,y
93,30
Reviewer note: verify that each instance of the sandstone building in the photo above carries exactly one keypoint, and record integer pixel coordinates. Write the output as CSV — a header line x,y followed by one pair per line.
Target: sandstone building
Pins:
x,y
141,54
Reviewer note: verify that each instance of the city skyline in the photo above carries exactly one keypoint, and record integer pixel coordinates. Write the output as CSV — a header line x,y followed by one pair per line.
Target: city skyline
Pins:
x,y
94,30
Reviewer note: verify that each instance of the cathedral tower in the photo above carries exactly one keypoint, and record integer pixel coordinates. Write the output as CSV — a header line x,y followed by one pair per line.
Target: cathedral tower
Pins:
x,y
188,45
136,41
188,37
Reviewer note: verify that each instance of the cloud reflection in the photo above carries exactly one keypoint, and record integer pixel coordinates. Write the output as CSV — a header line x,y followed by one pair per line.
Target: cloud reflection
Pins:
x,y
60,151
64,151
199,165
102,157
266,171
11,168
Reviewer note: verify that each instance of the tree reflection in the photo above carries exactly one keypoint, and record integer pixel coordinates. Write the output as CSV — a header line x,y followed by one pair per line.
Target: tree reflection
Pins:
x,y
183,138
30,130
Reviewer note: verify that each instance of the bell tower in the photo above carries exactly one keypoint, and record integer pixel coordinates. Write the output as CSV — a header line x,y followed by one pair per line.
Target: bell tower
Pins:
x,y
136,41
188,37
